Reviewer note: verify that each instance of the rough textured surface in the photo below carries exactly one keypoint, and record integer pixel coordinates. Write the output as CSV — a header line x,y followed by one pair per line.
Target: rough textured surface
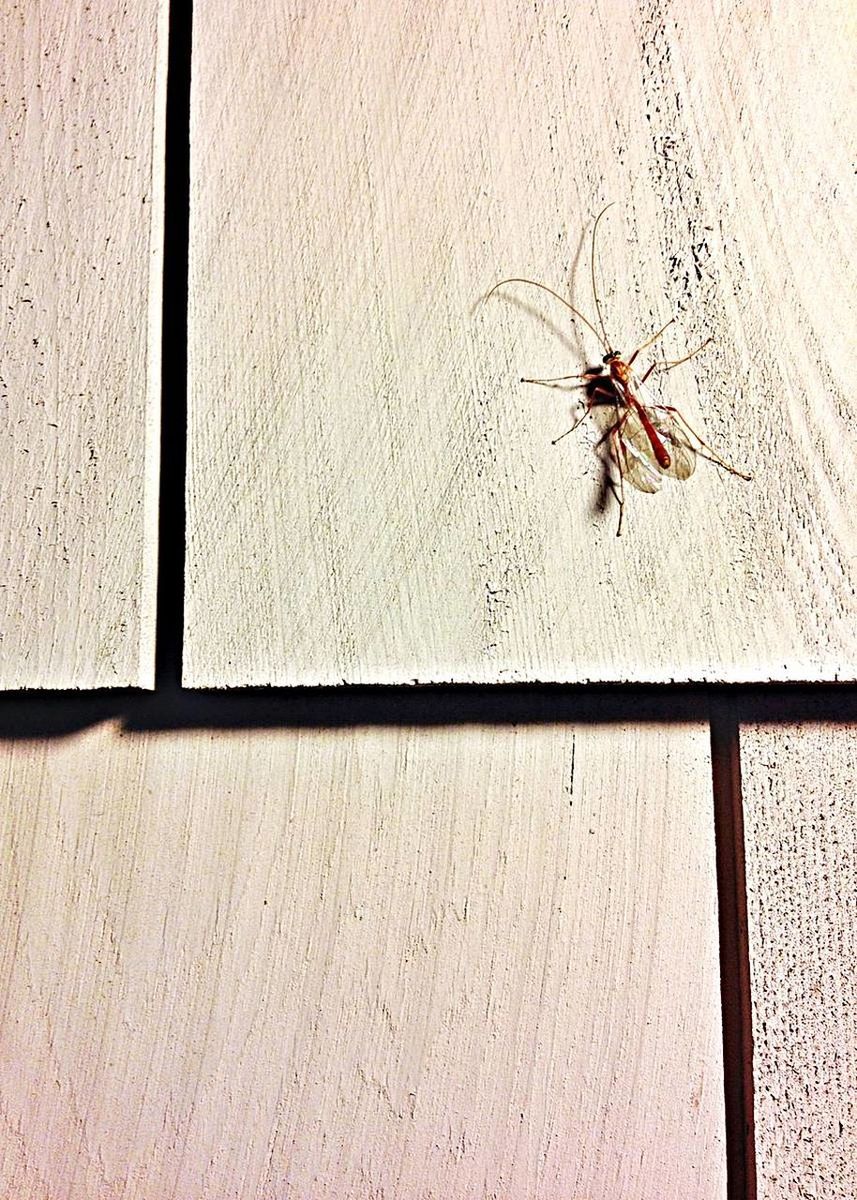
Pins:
x,y
373,495
432,964
800,787
81,125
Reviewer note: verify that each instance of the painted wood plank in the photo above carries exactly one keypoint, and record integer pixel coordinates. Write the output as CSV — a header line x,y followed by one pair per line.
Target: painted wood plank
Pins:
x,y
432,962
373,496
84,87
800,788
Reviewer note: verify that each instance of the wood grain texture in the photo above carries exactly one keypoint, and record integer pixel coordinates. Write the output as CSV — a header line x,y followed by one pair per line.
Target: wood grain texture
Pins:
x,y
800,787
373,496
83,88
422,963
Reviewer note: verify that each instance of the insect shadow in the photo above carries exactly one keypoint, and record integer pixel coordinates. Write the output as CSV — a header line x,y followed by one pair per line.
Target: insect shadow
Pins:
x,y
593,399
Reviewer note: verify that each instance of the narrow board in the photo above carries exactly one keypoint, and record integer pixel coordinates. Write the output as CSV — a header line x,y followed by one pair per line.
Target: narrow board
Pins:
x,y
373,495
427,963
800,805
84,88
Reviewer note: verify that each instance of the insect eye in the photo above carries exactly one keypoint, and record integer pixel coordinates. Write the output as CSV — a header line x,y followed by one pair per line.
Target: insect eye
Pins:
x,y
608,358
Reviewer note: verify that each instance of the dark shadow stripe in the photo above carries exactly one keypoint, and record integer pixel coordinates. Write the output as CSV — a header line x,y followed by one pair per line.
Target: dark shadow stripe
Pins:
x,y
34,714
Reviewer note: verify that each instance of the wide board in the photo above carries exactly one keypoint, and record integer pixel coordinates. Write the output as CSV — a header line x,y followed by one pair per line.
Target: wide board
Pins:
x,y
435,963
373,496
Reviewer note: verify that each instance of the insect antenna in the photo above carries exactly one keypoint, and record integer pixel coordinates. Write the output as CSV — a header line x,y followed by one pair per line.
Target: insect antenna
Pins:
x,y
605,340
556,295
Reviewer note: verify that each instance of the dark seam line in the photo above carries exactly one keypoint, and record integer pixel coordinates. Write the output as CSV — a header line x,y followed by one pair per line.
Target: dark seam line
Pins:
x,y
171,512
735,997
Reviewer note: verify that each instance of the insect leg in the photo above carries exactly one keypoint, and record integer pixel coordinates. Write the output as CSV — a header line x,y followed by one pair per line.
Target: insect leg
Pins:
x,y
702,448
560,378
587,410
590,401
653,338
668,366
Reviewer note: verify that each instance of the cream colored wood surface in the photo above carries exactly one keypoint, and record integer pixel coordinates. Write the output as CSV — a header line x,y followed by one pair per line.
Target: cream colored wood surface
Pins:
x,y
800,788
373,495
83,87
422,963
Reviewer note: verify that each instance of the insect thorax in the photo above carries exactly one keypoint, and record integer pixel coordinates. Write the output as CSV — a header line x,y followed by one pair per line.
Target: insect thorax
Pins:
x,y
619,369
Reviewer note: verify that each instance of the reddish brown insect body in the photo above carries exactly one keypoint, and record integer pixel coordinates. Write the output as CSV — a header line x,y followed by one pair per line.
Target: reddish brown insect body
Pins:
x,y
622,376
648,442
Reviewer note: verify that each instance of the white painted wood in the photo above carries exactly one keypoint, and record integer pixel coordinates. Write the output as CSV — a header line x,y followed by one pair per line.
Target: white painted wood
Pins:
x,y
84,86
800,788
373,495
435,963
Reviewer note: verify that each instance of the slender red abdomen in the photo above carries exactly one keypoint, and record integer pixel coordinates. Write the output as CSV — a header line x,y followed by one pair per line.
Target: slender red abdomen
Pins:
x,y
620,372
658,447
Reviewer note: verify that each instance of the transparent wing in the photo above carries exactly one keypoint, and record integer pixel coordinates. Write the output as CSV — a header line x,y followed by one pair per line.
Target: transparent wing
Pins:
x,y
635,457
638,459
688,442
676,439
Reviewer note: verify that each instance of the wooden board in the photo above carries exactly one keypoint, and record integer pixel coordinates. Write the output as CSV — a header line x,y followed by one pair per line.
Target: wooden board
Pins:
x,y
373,496
800,788
84,87
430,963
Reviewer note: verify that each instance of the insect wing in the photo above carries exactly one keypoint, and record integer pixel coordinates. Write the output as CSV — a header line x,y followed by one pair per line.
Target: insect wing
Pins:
x,y
635,455
678,445
638,460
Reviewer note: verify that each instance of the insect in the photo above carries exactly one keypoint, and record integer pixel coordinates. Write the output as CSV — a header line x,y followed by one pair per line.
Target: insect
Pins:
x,y
648,442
